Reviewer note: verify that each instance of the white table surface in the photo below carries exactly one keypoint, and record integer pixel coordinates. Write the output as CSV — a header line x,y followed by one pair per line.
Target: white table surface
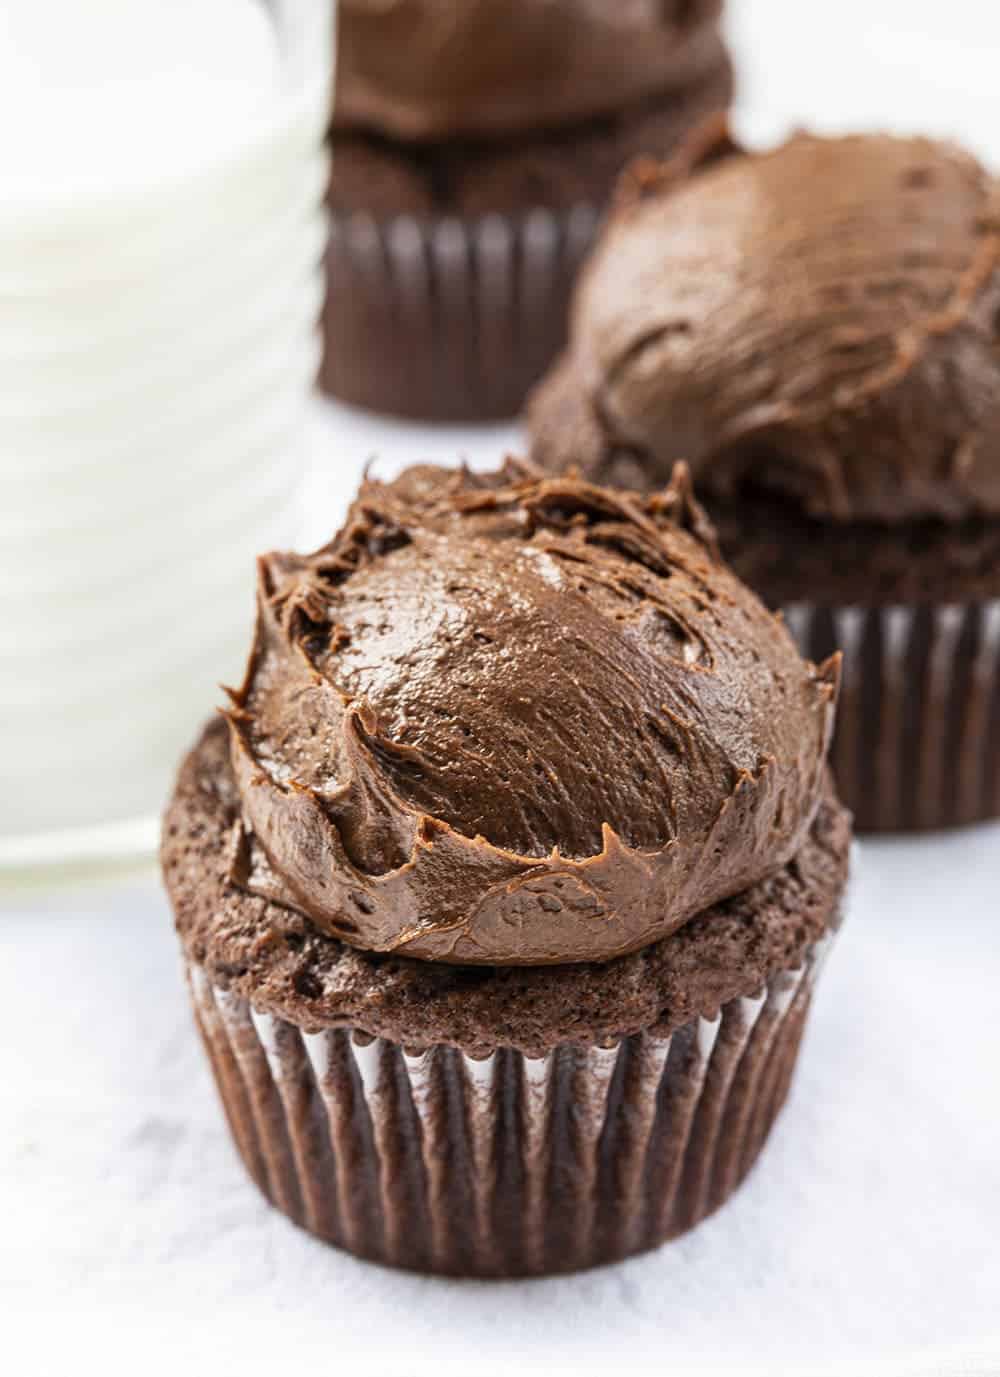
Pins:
x,y
131,1239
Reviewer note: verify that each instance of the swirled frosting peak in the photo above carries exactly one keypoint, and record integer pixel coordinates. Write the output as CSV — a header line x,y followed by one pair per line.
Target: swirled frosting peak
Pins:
x,y
512,720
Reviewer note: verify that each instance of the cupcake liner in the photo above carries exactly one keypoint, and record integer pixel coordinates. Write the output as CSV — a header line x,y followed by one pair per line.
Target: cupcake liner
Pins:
x,y
505,1165
448,319
917,744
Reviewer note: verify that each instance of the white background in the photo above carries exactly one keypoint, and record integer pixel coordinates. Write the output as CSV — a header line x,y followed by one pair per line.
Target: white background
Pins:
x,y
131,1240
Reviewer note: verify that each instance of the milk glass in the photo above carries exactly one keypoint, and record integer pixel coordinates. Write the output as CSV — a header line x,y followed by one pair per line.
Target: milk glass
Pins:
x,y
161,241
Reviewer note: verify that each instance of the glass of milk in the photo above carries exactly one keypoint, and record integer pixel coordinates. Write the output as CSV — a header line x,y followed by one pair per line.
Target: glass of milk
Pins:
x,y
161,235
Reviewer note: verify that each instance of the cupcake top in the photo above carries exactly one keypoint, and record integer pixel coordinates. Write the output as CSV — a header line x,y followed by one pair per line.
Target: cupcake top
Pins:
x,y
507,720
426,70
821,322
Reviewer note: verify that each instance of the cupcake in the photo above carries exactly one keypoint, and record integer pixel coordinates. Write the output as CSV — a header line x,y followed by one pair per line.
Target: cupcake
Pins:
x,y
475,146
503,883
817,330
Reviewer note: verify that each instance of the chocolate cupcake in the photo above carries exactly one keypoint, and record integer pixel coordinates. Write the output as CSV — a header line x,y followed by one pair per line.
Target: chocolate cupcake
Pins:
x,y
475,147
817,330
504,882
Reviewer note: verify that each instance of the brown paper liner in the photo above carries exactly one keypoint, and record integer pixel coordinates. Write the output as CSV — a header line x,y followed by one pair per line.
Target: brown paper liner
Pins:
x,y
447,319
917,744
504,1166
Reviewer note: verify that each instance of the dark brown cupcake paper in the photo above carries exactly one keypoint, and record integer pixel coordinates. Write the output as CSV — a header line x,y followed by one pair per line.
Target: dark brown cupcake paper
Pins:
x,y
917,744
504,1166
447,318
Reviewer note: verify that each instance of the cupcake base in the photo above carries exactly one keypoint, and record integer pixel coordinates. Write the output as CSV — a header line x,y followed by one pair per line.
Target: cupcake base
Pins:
x,y
917,744
915,608
450,268
447,319
505,1165
494,1121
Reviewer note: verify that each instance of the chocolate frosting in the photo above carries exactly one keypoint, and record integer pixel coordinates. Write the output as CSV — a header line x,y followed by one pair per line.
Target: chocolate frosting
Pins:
x,y
821,322
277,959
508,720
423,70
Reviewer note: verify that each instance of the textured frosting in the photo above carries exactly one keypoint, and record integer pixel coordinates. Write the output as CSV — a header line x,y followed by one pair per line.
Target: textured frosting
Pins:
x,y
275,957
820,322
432,69
510,720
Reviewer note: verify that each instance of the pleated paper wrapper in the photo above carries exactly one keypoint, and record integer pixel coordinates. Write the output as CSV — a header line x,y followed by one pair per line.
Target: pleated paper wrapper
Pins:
x,y
504,1165
917,743
447,319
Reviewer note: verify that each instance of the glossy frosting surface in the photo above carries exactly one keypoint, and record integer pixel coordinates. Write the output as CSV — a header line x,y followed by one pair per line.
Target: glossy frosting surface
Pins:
x,y
508,720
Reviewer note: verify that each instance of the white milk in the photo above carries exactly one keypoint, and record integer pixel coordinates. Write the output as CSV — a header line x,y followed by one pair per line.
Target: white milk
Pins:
x,y
160,245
